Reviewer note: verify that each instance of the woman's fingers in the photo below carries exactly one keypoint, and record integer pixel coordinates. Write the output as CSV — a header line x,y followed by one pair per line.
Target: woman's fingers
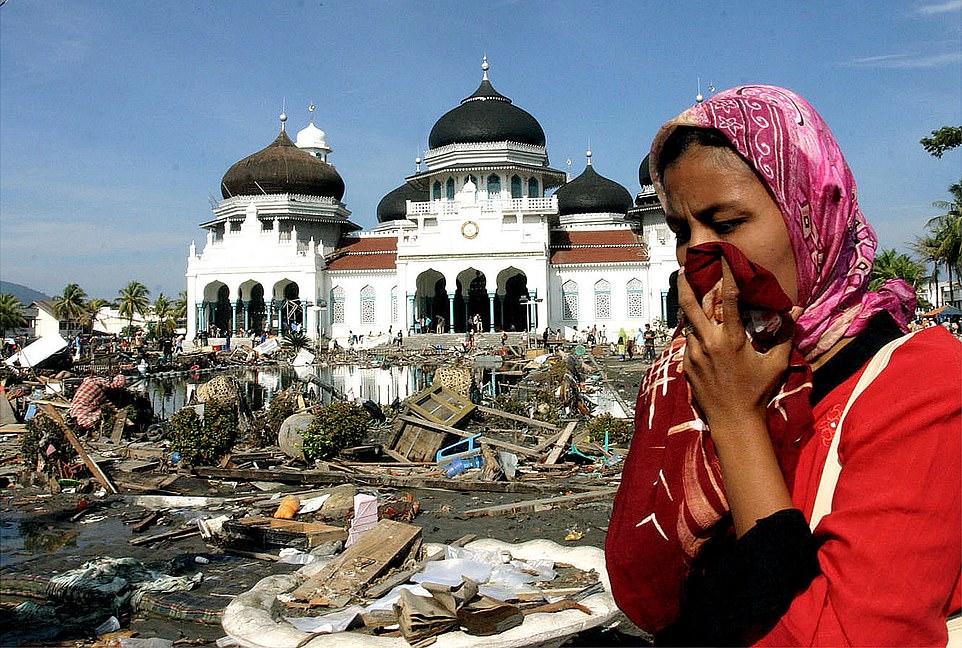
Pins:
x,y
689,305
732,324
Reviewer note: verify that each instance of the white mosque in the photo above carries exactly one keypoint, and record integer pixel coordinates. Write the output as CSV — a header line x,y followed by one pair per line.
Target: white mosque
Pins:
x,y
486,229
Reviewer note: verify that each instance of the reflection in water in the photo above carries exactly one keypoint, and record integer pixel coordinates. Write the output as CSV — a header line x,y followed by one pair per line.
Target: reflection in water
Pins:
x,y
381,385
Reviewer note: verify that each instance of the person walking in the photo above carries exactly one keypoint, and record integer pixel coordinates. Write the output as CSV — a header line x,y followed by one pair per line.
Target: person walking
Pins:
x,y
649,341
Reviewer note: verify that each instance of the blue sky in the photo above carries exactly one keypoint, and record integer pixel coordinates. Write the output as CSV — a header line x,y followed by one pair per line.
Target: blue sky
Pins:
x,y
118,119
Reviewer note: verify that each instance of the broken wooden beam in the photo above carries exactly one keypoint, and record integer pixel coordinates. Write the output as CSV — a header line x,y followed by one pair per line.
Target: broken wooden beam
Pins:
x,y
362,562
176,534
313,477
517,417
540,504
560,443
91,465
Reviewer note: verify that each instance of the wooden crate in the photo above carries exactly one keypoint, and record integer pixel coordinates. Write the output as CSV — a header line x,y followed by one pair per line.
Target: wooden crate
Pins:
x,y
438,405
261,532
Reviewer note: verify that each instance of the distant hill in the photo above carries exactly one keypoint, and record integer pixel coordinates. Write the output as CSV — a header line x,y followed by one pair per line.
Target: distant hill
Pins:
x,y
23,293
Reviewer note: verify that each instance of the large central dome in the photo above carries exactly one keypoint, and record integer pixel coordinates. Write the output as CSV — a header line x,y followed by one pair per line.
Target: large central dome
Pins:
x,y
486,116
281,168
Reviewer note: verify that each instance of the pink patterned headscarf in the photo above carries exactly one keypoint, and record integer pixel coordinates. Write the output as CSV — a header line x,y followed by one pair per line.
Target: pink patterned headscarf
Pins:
x,y
789,145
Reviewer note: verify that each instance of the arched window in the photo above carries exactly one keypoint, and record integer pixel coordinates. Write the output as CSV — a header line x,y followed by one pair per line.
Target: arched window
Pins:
x,y
394,304
569,300
367,305
515,186
494,185
602,300
534,191
449,189
436,190
636,299
337,305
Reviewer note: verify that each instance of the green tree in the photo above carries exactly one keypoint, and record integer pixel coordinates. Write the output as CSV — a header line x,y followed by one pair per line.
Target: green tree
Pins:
x,y
11,313
71,305
893,265
164,312
180,306
133,300
943,245
91,313
942,140
927,249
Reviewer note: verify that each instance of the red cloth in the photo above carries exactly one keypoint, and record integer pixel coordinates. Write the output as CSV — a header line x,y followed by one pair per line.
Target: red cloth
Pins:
x,y
671,496
89,397
891,556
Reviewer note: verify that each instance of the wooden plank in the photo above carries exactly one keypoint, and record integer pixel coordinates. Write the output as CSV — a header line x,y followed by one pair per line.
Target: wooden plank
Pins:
x,y
362,562
313,477
561,443
117,433
542,504
461,433
176,534
517,417
92,466
397,456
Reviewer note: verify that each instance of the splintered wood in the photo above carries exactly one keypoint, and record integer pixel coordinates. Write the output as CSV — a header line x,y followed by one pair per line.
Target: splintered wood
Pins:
x,y
361,563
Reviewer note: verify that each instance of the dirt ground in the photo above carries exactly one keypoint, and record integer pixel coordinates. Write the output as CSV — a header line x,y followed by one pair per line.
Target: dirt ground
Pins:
x,y
40,534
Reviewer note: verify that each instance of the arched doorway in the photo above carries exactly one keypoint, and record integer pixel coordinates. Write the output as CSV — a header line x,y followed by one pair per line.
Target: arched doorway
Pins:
x,y
291,310
471,299
512,286
256,309
431,300
222,315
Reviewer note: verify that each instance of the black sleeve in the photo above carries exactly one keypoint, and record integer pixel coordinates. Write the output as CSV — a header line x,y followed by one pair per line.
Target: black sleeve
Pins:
x,y
738,590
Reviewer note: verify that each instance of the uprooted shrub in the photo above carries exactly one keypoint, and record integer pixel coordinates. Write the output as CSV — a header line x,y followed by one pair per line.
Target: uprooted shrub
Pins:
x,y
337,426
542,406
43,438
203,441
619,430
266,424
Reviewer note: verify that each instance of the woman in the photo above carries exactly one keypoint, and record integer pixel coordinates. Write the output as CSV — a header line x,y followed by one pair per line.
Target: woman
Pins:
x,y
786,368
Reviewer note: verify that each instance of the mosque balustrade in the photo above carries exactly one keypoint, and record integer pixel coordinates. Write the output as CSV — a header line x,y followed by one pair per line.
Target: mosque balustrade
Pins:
x,y
548,204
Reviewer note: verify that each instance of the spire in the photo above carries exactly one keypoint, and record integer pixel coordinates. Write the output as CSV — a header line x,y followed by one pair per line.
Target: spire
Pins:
x,y
283,116
484,67
699,97
588,155
310,109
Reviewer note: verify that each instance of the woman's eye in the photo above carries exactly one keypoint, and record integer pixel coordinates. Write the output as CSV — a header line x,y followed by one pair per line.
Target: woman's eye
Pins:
x,y
726,227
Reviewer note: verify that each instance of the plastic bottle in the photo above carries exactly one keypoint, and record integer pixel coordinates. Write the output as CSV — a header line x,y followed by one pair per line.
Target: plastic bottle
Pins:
x,y
455,468
288,508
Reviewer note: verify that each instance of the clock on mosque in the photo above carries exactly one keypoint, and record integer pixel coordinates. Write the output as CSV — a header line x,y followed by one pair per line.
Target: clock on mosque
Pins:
x,y
469,229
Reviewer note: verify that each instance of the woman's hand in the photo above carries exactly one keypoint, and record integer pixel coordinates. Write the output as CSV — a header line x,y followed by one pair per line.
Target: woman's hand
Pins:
x,y
731,381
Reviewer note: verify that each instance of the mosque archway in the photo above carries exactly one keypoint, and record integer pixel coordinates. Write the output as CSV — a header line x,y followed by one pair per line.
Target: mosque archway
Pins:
x,y
290,309
470,299
254,308
431,300
222,311
509,311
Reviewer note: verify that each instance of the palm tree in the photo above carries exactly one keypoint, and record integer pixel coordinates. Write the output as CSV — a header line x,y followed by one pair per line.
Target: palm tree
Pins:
x,y
947,233
180,306
71,305
90,317
11,313
927,248
164,312
132,300
892,265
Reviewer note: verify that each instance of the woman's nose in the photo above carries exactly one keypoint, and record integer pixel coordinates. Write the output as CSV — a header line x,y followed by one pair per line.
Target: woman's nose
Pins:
x,y
699,233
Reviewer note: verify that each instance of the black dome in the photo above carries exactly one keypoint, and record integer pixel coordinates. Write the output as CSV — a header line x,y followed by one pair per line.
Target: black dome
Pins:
x,y
486,116
591,193
393,206
282,168
644,172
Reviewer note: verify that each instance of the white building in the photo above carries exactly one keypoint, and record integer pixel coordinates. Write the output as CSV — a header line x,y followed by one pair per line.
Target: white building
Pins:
x,y
478,232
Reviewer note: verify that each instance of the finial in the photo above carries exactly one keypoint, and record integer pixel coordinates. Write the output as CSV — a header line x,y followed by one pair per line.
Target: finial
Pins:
x,y
588,155
283,116
417,162
311,109
699,97
484,67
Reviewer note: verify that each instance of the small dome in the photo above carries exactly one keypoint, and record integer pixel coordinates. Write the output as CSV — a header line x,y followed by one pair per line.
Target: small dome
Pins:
x,y
312,137
393,206
486,116
644,172
591,193
282,168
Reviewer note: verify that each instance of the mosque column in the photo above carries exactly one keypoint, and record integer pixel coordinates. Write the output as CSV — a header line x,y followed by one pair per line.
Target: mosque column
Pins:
x,y
451,312
199,323
410,314
233,316
270,315
491,297
247,315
